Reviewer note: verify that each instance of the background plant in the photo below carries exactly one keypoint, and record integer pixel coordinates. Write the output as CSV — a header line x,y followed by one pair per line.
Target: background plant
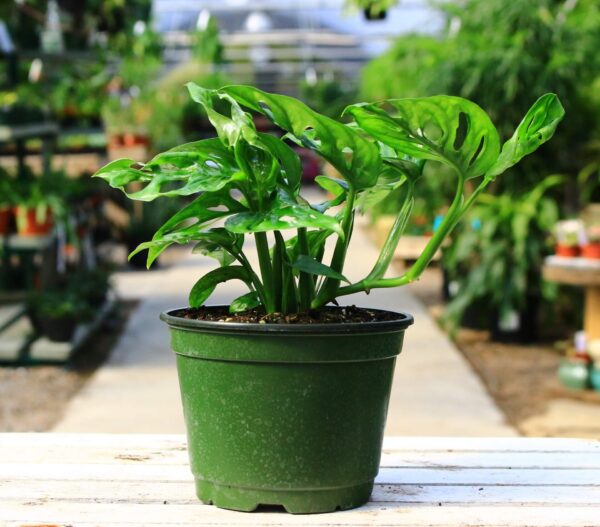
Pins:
x,y
500,251
251,180
497,53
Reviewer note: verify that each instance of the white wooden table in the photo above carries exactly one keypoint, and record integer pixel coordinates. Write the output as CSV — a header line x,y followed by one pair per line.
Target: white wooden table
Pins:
x,y
143,480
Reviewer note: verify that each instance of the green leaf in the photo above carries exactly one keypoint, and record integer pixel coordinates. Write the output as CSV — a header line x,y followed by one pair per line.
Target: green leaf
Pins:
x,y
245,302
185,225
308,264
187,169
282,216
230,129
536,128
337,187
220,244
355,157
288,159
442,128
207,284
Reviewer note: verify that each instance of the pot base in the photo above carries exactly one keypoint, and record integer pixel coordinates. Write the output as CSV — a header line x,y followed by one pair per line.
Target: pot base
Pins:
x,y
293,501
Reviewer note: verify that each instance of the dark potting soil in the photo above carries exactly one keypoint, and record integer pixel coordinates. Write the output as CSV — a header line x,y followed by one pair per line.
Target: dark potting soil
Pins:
x,y
324,315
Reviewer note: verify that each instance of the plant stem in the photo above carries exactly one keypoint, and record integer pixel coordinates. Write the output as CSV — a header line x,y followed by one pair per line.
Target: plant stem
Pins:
x,y
260,290
451,219
266,271
278,272
305,280
330,287
391,242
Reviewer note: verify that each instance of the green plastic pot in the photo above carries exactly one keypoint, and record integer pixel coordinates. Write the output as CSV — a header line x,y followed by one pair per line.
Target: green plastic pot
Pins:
x,y
288,415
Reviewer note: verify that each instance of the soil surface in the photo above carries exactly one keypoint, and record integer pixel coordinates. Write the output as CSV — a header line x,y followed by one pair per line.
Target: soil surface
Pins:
x,y
33,398
324,315
522,379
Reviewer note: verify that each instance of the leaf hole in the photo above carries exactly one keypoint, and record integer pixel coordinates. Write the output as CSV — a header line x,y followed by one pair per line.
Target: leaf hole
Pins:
x,y
478,151
432,131
461,130
212,164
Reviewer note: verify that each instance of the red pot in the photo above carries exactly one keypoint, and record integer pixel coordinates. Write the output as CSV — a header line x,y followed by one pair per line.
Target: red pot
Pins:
x,y
28,225
568,251
591,250
5,216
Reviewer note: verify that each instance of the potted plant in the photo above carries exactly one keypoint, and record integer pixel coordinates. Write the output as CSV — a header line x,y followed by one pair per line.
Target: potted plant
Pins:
x,y
591,247
56,314
7,198
568,235
285,395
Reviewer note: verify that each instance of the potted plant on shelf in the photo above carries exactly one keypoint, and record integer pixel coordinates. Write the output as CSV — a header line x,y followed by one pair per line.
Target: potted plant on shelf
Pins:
x,y
56,314
7,199
285,395
568,235
591,247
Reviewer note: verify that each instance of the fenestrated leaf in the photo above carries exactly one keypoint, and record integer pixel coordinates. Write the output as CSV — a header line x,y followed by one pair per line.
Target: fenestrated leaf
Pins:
x,y
187,169
207,284
308,264
243,303
354,156
186,224
442,128
230,128
220,244
120,172
282,216
258,154
536,128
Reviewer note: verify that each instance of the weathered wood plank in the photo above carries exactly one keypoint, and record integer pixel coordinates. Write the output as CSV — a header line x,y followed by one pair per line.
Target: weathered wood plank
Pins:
x,y
379,514
130,480
142,472
182,493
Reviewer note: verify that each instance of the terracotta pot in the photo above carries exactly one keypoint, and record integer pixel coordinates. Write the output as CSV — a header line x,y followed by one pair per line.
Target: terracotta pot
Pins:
x,y
591,250
28,224
5,217
568,251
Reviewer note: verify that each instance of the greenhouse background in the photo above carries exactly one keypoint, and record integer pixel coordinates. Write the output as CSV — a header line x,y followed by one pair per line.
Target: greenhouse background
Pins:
x,y
507,334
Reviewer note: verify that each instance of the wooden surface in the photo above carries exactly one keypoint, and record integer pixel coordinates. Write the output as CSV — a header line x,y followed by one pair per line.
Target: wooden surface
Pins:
x,y
572,271
143,480
581,272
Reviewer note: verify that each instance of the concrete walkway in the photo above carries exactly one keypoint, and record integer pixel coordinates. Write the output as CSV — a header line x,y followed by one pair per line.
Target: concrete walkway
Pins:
x,y
435,392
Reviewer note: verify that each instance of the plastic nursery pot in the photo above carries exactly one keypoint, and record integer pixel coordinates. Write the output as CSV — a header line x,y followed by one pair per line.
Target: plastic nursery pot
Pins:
x,y
289,415
57,329
568,251
5,217
30,224
591,250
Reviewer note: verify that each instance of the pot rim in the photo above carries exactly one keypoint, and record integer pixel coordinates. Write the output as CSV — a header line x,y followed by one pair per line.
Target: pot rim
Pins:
x,y
349,328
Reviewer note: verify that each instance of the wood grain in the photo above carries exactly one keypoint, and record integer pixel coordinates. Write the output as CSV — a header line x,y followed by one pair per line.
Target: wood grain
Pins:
x,y
139,480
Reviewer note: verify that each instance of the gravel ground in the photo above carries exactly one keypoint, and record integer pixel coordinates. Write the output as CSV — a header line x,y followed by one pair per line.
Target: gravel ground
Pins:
x,y
33,398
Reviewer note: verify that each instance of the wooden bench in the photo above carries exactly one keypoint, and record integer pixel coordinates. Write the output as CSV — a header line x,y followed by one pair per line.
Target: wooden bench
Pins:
x,y
144,480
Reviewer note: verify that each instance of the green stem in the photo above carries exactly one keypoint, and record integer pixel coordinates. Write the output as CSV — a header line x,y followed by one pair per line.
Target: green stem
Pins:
x,y
278,264
391,242
305,280
260,290
266,271
289,294
330,286
455,212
